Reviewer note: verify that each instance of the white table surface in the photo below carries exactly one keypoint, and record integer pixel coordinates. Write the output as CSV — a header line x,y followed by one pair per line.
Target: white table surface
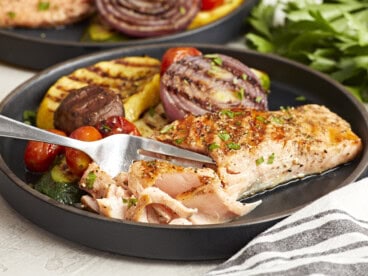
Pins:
x,y
26,249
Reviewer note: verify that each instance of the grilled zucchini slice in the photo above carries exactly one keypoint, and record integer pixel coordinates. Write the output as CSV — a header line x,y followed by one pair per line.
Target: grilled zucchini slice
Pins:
x,y
135,79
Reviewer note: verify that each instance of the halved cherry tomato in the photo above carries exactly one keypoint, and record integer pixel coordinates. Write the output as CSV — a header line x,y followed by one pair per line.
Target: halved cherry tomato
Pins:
x,y
116,125
77,160
211,4
38,156
174,54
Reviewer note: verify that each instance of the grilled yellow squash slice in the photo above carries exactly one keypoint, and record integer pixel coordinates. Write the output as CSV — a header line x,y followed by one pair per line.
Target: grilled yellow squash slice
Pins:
x,y
135,79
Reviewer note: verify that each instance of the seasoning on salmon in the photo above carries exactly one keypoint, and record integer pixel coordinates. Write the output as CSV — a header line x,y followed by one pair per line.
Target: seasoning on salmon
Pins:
x,y
256,150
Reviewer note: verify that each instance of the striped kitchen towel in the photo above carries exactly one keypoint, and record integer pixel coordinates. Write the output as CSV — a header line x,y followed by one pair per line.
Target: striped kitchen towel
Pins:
x,y
328,237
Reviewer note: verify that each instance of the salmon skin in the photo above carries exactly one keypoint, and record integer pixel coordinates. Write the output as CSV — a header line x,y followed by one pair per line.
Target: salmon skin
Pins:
x,y
257,150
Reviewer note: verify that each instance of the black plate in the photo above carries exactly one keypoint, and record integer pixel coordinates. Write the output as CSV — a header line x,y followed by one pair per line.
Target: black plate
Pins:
x,y
41,48
289,80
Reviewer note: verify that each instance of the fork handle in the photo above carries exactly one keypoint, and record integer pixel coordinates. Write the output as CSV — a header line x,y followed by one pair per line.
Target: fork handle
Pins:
x,y
15,129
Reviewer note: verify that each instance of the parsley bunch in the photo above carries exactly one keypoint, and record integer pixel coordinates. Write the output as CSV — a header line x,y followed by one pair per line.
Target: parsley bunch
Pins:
x,y
330,36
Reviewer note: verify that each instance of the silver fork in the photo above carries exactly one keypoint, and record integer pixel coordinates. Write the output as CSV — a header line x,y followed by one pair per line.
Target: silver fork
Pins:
x,y
114,153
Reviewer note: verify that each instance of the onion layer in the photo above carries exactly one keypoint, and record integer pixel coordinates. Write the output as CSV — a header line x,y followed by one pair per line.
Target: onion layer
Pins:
x,y
209,83
146,18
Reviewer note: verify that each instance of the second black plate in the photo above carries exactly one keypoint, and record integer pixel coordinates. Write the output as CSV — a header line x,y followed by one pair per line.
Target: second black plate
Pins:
x,y
41,48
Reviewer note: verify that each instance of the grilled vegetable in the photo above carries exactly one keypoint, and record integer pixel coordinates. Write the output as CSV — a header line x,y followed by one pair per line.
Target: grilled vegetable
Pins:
x,y
200,84
87,106
147,18
39,156
135,79
177,53
66,193
205,17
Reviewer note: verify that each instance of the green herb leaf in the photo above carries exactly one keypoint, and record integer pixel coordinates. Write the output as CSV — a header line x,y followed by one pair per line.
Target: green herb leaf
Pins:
x,y
331,36
233,146
259,161
216,59
213,146
300,98
90,180
166,129
224,136
11,14
43,5
271,158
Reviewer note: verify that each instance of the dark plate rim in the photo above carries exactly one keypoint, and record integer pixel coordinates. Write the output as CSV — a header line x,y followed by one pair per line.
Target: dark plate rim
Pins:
x,y
10,33
359,170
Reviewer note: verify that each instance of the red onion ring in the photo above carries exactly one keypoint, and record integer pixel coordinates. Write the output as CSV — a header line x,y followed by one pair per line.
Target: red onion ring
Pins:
x,y
146,18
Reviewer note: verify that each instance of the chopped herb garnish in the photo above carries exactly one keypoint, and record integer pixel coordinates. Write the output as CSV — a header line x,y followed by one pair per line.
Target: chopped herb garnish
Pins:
x,y
277,120
215,59
233,146
285,108
90,180
166,129
105,128
179,141
245,77
11,14
43,5
29,117
301,98
228,113
213,146
224,136
240,93
259,99
259,161
132,201
271,158
261,118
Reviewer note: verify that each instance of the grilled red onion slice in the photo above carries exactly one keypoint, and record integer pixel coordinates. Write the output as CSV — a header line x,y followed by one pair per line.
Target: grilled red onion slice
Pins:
x,y
146,18
208,83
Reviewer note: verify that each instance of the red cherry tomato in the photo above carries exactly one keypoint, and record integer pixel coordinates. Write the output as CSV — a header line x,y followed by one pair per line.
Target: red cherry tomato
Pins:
x,y
174,54
211,4
77,160
116,125
38,156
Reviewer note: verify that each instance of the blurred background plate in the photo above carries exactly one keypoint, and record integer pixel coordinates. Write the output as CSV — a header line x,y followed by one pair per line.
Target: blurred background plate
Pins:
x,y
289,80
41,48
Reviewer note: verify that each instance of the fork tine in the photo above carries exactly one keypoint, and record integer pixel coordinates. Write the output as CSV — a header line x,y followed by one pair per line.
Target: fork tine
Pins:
x,y
160,148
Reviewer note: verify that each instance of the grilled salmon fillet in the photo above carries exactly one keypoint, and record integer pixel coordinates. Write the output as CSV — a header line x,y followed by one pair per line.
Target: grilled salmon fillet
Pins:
x,y
257,150
47,13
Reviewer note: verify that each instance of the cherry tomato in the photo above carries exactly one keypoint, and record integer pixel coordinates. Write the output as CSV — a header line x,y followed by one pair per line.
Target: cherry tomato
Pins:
x,y
77,160
115,125
211,4
38,156
174,54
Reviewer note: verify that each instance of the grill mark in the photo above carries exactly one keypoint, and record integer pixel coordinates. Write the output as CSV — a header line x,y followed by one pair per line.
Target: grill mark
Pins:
x,y
126,62
191,78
